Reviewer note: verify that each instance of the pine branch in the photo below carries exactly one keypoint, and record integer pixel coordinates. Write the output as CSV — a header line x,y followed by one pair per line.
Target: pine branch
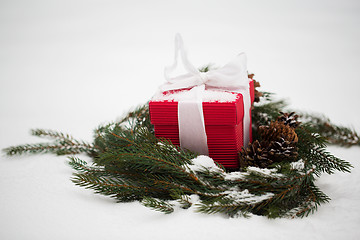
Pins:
x,y
63,144
140,117
182,198
121,192
52,135
58,148
315,198
335,134
326,162
231,210
158,205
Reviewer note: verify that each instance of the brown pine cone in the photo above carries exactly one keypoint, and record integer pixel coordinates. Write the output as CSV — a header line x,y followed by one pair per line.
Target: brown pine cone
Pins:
x,y
282,150
254,155
289,119
276,130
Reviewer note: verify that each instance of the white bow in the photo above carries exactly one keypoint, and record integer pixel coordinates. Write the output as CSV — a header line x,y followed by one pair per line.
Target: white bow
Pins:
x,y
231,77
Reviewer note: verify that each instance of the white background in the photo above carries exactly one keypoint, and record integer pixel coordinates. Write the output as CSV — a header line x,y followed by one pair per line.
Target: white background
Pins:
x,y
71,65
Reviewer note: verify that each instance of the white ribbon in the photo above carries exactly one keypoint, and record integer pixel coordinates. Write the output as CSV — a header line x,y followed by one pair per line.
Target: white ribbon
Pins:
x,y
231,77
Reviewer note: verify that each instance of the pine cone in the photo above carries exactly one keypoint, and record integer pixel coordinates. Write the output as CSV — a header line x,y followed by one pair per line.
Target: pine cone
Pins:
x,y
282,150
289,119
254,155
277,130
278,143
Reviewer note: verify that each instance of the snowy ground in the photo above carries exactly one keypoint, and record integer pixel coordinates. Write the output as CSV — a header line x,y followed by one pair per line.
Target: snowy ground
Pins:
x,y
71,65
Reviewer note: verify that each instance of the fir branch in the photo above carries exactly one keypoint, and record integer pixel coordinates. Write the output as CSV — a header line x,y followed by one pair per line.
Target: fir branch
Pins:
x,y
114,188
309,137
82,166
52,135
231,210
63,144
158,205
58,148
140,117
335,134
315,198
326,162
182,198
268,109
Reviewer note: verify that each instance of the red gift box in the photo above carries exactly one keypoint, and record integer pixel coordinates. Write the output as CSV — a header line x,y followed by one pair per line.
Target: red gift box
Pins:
x,y
223,126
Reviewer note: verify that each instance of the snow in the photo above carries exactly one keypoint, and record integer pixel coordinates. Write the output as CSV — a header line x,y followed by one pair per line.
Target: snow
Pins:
x,y
298,165
246,197
233,176
203,162
208,96
264,172
72,65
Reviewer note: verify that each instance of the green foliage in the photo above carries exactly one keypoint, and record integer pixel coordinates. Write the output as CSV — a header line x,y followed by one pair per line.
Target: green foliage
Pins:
x,y
130,164
333,133
206,68
159,205
63,144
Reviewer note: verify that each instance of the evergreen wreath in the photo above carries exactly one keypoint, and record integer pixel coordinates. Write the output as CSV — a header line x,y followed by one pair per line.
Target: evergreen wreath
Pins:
x,y
276,179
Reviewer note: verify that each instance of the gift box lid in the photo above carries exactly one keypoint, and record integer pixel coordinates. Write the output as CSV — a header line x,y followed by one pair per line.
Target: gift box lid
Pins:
x,y
227,109
220,108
